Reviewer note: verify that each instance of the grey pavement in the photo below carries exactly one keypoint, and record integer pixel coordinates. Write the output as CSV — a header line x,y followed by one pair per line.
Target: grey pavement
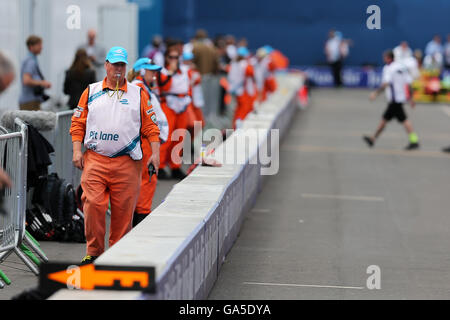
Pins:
x,y
337,207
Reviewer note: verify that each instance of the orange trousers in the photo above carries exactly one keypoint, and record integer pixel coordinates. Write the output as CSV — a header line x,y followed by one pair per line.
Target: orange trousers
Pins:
x,y
194,114
243,107
176,121
104,180
270,85
148,188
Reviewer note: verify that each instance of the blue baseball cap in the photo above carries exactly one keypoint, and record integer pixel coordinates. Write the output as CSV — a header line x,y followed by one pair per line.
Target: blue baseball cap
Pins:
x,y
187,55
243,52
268,49
117,54
145,63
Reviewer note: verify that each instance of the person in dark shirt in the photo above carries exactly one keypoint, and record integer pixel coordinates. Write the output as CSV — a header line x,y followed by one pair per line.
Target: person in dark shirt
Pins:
x,y
32,79
78,77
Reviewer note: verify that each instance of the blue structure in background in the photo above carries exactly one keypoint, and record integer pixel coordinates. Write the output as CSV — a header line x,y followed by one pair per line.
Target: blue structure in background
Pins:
x,y
150,20
299,28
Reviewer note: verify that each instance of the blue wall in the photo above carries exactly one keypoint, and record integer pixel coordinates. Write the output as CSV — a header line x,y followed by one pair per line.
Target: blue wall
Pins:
x,y
299,27
150,20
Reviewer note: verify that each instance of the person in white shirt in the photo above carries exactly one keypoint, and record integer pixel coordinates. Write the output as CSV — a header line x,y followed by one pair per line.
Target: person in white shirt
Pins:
x,y
433,62
402,52
434,46
396,79
333,55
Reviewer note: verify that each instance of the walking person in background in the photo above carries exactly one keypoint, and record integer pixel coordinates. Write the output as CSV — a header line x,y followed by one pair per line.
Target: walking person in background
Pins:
x,y
434,46
173,84
333,55
95,52
195,112
264,74
231,49
112,118
155,51
33,82
143,75
78,77
395,79
241,80
402,52
205,56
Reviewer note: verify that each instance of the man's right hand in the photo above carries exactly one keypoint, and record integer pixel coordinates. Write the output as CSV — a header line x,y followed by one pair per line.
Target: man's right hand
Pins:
x,y
78,160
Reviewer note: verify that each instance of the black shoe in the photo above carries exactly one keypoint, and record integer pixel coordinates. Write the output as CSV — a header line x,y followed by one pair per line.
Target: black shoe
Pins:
x,y
162,174
178,174
446,149
88,259
412,146
138,217
369,141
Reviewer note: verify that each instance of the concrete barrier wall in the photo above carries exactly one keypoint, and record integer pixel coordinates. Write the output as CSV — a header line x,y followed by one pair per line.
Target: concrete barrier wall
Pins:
x,y
187,237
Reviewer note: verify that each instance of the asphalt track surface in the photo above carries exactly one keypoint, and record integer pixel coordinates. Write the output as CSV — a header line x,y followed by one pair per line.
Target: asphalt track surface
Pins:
x,y
335,209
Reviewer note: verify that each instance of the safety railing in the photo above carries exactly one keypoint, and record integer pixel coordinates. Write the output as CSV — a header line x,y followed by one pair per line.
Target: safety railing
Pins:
x,y
60,139
10,145
13,235
62,143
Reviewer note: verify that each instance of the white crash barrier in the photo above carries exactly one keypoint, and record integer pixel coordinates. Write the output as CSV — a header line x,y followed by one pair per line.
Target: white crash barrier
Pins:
x,y
187,237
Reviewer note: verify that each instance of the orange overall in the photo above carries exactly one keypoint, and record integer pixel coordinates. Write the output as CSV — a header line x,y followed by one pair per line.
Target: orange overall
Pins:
x,y
108,179
148,188
175,121
244,102
195,113
270,83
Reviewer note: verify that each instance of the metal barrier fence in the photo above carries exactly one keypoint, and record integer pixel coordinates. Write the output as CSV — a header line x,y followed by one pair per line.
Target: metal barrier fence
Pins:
x,y
61,141
63,149
13,236
10,149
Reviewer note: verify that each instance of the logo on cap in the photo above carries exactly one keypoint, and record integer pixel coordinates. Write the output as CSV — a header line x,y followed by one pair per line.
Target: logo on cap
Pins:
x,y
119,52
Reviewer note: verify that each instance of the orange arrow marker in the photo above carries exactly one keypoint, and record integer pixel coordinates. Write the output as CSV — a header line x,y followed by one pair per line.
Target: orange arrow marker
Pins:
x,y
90,278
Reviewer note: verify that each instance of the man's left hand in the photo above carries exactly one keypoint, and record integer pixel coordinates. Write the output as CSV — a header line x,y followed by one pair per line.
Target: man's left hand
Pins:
x,y
154,159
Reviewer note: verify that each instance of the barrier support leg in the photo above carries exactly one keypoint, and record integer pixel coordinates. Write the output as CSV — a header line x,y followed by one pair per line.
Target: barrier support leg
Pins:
x,y
30,254
5,255
24,258
30,237
4,279
35,246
